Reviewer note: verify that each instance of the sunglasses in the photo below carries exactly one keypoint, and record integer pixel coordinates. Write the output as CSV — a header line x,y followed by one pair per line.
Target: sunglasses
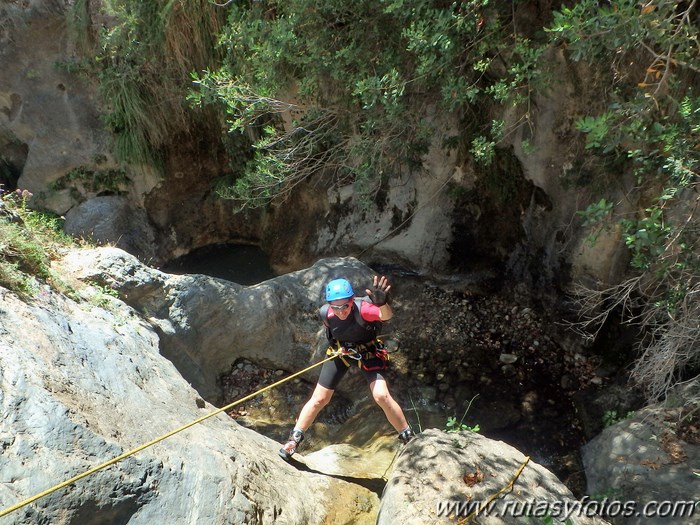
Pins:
x,y
342,307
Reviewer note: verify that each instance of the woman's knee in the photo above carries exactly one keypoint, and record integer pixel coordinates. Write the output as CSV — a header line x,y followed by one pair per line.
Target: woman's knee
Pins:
x,y
321,398
382,397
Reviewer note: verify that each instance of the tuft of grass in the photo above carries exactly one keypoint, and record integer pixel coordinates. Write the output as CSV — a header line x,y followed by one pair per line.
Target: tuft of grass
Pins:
x,y
415,410
452,425
143,62
29,241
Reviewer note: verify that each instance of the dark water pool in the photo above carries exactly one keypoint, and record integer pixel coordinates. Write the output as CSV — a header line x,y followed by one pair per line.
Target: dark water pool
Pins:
x,y
240,263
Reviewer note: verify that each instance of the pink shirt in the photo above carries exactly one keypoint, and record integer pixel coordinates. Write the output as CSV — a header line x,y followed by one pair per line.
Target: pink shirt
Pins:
x,y
368,311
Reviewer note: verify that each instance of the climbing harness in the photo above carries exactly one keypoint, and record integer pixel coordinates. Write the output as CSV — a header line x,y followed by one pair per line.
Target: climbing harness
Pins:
x,y
344,354
368,356
125,455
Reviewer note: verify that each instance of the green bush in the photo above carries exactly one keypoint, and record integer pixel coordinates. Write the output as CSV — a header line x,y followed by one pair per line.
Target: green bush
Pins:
x,y
143,63
651,122
349,91
28,242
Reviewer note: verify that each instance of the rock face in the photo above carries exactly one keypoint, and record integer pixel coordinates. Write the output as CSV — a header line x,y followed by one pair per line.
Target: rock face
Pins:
x,y
83,382
441,475
51,112
644,459
80,385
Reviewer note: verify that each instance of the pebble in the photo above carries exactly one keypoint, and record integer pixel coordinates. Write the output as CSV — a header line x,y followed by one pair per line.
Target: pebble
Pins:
x,y
508,370
508,359
567,382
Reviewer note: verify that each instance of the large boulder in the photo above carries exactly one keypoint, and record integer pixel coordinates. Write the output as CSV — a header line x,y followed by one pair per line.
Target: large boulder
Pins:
x,y
206,324
651,458
112,219
81,384
448,476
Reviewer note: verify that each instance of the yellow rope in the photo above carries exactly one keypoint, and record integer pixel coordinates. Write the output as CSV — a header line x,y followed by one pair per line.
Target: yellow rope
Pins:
x,y
154,441
390,464
488,501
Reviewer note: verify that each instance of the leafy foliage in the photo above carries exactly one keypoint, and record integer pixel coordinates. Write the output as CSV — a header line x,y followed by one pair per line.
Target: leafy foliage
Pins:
x,y
28,241
361,82
143,65
652,120
110,181
611,417
452,425
455,425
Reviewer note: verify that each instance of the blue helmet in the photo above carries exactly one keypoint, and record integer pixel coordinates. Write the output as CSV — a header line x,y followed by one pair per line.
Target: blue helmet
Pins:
x,y
338,289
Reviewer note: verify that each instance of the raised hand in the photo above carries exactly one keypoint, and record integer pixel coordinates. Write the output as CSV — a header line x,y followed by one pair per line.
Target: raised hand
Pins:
x,y
380,290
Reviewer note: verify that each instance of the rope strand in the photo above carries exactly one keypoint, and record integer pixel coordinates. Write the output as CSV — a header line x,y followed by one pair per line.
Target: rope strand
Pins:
x,y
494,496
125,455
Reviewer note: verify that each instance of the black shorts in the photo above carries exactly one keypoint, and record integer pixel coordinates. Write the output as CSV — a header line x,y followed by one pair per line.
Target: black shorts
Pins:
x,y
334,370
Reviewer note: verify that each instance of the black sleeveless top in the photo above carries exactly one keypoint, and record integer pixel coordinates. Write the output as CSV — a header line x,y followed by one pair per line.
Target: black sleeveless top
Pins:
x,y
350,330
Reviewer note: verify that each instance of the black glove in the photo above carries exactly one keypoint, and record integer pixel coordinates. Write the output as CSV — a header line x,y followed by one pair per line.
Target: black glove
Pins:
x,y
378,297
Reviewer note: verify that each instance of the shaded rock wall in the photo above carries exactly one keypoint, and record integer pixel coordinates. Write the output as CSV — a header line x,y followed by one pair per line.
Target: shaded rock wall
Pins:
x,y
552,154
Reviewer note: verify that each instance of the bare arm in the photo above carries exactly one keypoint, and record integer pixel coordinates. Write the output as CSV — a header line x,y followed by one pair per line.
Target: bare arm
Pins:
x,y
385,312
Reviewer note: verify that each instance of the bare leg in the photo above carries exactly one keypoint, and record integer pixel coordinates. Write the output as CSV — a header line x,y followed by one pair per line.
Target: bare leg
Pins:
x,y
319,399
392,410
